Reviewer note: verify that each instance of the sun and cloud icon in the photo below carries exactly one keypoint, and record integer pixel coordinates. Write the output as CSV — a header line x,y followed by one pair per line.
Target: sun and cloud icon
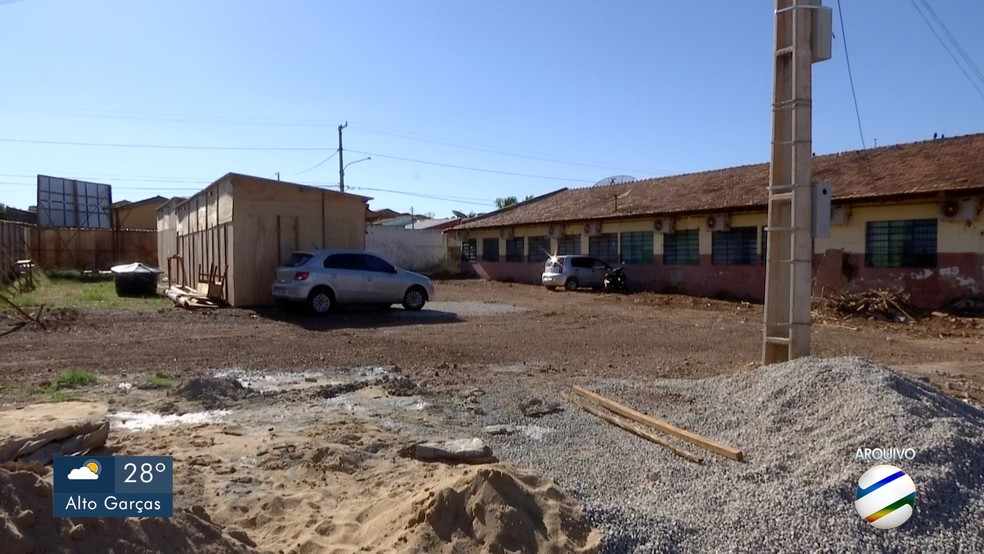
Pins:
x,y
89,471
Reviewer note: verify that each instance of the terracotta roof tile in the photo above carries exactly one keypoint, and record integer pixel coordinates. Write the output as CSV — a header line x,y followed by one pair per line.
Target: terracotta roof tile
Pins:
x,y
920,168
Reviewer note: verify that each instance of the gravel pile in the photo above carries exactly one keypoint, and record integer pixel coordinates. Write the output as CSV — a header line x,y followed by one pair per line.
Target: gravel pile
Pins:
x,y
799,424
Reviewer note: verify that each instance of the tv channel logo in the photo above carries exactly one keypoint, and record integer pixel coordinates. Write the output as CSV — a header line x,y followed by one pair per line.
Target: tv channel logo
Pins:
x,y
885,497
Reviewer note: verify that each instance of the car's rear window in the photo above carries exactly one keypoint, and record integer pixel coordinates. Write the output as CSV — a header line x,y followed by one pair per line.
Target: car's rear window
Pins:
x,y
552,263
297,259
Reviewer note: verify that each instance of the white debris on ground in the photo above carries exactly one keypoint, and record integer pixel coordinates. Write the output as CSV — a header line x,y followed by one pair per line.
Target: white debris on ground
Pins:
x,y
799,425
142,421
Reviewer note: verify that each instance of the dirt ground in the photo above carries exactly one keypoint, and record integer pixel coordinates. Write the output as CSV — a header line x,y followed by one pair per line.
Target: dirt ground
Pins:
x,y
556,335
284,453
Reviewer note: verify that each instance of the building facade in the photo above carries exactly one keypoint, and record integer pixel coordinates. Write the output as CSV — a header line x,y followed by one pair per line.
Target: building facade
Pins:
x,y
906,217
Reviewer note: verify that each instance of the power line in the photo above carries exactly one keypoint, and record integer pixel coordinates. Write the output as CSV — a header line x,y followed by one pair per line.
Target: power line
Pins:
x,y
323,184
172,117
166,146
317,165
947,47
428,196
478,147
953,40
850,74
469,168
374,129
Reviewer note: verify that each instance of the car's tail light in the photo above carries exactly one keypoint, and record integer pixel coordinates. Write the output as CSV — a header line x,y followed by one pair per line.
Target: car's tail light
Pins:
x,y
301,275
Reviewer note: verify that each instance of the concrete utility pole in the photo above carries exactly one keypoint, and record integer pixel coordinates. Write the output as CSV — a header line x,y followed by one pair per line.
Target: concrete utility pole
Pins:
x,y
341,163
802,37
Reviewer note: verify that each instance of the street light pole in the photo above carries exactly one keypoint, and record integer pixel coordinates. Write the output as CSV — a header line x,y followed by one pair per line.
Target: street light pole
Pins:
x,y
341,172
341,166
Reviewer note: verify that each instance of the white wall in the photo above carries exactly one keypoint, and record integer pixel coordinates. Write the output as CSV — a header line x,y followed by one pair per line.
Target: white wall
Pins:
x,y
414,249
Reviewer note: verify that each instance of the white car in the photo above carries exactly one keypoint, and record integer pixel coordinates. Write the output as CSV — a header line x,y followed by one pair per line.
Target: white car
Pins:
x,y
572,272
322,279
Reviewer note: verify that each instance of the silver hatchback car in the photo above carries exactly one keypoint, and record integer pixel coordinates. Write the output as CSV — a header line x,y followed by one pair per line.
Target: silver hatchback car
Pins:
x,y
572,272
323,278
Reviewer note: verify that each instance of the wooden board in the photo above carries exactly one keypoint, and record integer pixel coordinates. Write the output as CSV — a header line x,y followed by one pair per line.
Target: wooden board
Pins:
x,y
691,437
636,431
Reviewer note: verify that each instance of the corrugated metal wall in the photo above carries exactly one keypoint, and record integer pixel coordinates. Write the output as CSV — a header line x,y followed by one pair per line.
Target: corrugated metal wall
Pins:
x,y
14,245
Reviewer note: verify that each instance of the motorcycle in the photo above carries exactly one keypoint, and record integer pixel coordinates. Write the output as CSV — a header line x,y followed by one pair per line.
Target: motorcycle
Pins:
x,y
615,280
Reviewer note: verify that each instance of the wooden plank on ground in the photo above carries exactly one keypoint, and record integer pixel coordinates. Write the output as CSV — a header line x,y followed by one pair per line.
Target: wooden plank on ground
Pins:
x,y
689,436
635,430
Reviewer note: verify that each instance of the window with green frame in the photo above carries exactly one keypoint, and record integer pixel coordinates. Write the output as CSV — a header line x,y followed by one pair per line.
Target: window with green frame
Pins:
x,y
539,248
681,248
637,247
490,250
514,249
604,247
900,243
569,245
734,247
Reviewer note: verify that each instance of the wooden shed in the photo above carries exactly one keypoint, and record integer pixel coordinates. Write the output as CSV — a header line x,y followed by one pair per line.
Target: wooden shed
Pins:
x,y
242,227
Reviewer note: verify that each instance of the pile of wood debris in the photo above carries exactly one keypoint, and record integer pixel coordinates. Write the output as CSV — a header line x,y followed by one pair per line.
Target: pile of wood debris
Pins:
x,y
881,304
189,298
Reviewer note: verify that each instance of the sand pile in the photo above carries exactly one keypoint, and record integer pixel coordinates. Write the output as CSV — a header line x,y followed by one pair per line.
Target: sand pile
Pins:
x,y
27,525
424,508
495,508
345,489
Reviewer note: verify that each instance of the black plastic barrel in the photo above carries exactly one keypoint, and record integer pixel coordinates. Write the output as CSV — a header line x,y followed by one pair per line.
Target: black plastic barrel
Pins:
x,y
135,279
135,284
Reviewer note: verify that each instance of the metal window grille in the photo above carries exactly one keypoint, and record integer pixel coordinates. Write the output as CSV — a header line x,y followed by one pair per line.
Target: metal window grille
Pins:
x,y
637,247
490,250
764,245
539,248
569,245
469,250
900,243
604,247
514,249
681,248
734,247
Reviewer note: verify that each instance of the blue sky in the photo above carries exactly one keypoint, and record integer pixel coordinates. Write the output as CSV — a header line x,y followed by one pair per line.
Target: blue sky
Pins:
x,y
538,94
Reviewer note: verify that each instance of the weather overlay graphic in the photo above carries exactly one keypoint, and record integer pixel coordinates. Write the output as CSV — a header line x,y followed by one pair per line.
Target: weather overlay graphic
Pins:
x,y
113,486
885,497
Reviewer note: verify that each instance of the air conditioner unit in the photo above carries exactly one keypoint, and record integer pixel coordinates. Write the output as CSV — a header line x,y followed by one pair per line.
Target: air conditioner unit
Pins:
x,y
718,222
506,232
959,209
664,225
592,229
555,231
840,215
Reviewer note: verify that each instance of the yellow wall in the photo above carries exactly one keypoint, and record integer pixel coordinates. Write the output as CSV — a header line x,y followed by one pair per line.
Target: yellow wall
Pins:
x,y
622,226
952,236
141,216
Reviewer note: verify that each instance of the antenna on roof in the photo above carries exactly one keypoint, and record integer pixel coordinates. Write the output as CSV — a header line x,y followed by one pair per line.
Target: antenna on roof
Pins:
x,y
614,180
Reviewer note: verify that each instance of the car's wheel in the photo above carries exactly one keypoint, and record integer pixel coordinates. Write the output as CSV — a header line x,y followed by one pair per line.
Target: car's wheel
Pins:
x,y
571,284
414,299
320,301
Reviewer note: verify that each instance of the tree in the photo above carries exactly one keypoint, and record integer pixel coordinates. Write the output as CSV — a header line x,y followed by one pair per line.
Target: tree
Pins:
x,y
505,202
